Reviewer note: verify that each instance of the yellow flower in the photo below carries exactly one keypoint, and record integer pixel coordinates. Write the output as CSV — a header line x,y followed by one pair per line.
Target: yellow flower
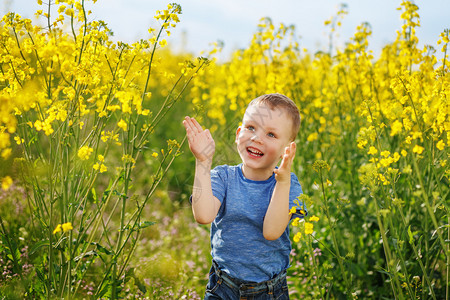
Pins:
x,y
404,152
103,168
385,162
396,127
309,228
155,154
292,210
440,145
85,152
6,182
6,153
163,43
314,219
38,125
312,137
57,229
385,153
297,237
67,226
418,149
69,12
63,227
122,124
362,143
98,166
372,150
18,140
383,179
295,222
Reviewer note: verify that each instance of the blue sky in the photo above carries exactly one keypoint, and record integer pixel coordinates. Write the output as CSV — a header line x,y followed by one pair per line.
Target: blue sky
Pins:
x,y
234,21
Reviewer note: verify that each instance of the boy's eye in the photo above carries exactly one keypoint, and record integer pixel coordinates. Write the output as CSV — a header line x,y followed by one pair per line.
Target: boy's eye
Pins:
x,y
250,127
271,134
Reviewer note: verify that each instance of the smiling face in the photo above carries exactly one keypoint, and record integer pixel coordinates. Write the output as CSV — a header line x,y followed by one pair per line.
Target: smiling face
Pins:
x,y
261,140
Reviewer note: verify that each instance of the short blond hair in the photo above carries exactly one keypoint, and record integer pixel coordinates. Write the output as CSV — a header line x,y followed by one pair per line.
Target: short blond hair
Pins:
x,y
276,100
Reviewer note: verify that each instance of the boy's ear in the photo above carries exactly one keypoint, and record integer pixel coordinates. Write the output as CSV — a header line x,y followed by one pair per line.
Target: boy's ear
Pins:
x,y
237,133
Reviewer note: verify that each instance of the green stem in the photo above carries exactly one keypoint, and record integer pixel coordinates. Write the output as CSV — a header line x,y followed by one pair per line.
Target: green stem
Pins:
x,y
322,287
447,285
417,257
387,252
429,208
149,194
50,254
144,92
333,235
120,243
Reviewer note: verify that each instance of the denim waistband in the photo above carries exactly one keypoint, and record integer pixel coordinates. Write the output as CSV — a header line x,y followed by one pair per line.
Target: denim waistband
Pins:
x,y
249,287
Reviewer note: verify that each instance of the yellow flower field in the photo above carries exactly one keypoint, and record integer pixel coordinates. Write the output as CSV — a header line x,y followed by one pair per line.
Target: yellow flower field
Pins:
x,y
93,156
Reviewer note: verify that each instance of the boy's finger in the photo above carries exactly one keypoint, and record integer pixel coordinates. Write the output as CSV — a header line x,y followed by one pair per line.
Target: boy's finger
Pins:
x,y
187,127
208,134
286,158
186,123
293,149
192,125
196,125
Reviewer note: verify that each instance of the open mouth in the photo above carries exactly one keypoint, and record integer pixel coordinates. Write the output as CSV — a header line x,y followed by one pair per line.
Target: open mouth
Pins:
x,y
254,152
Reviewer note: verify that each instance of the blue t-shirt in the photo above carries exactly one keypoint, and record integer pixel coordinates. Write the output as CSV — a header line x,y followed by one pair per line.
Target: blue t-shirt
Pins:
x,y
237,242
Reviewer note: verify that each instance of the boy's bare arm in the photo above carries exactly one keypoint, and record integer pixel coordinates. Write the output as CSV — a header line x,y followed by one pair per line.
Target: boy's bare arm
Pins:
x,y
277,215
204,205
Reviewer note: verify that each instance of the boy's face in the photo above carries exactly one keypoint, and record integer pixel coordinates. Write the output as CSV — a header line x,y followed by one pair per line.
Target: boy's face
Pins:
x,y
261,140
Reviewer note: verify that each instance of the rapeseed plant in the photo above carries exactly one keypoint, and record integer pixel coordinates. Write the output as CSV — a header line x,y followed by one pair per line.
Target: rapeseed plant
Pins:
x,y
72,99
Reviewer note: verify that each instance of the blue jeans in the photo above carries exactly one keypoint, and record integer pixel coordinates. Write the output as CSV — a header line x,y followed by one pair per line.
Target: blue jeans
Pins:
x,y
222,286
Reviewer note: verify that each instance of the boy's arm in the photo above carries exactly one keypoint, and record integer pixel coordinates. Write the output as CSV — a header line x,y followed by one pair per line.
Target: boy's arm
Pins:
x,y
277,215
204,205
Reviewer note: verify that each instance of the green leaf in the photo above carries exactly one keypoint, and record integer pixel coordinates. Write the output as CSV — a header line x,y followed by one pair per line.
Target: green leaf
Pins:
x,y
10,246
59,242
410,235
102,249
92,196
146,224
105,292
40,275
82,255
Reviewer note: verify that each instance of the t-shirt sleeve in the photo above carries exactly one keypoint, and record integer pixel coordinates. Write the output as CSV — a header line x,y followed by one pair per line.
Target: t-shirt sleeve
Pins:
x,y
294,193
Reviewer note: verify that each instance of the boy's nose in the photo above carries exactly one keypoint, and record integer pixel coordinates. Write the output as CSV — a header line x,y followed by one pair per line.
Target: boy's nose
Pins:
x,y
255,138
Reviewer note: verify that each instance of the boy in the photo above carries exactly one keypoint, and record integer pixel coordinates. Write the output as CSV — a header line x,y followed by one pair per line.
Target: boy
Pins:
x,y
248,204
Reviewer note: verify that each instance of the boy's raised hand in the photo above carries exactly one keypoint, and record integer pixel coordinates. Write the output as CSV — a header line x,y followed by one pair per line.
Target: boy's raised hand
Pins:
x,y
201,143
283,173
